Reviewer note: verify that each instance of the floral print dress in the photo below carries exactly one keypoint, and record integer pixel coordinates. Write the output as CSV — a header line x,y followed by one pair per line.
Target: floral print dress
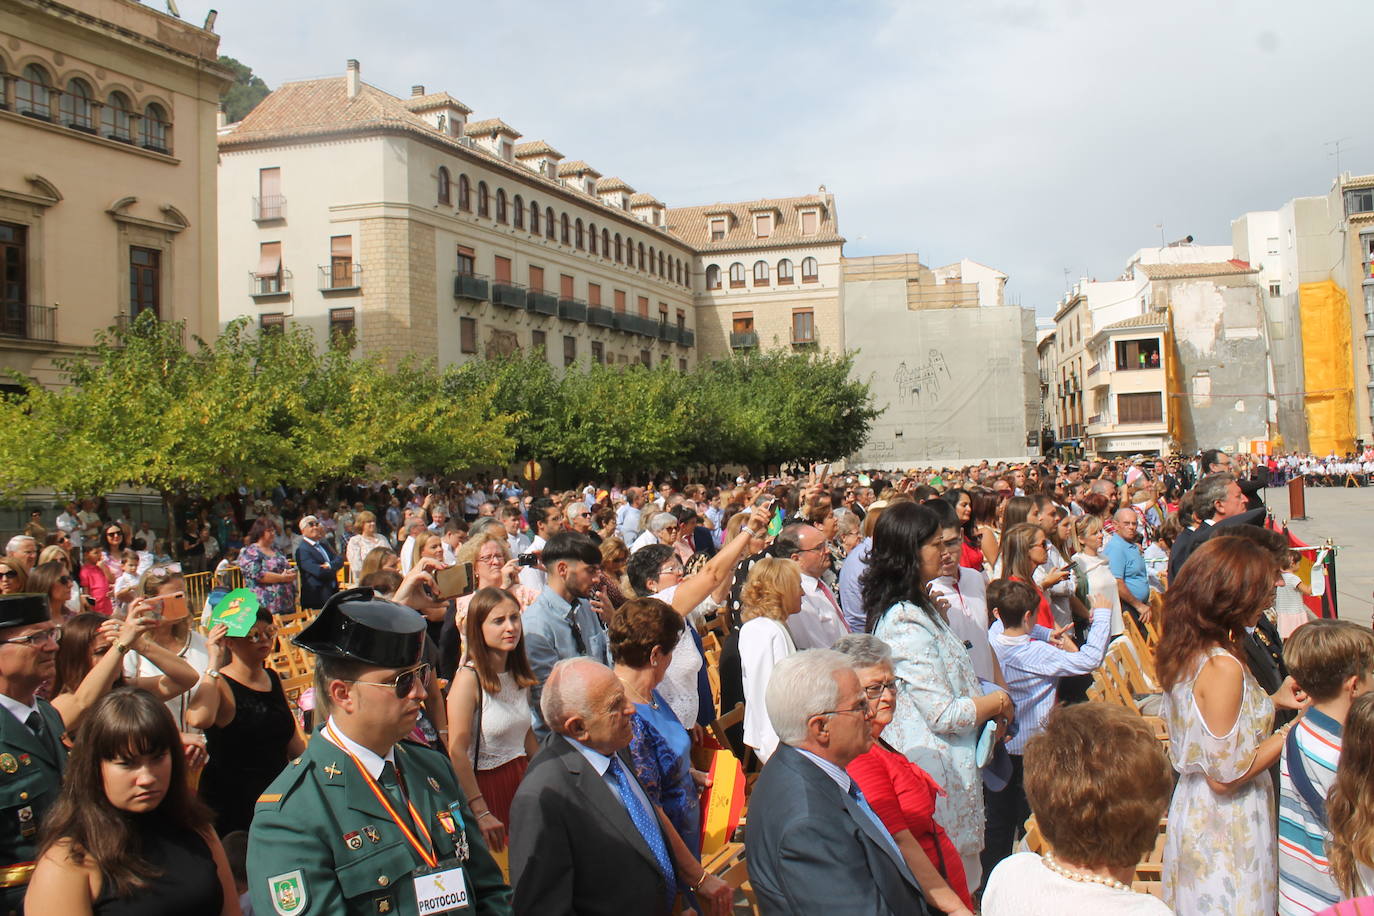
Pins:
x,y
934,721
1220,851
280,597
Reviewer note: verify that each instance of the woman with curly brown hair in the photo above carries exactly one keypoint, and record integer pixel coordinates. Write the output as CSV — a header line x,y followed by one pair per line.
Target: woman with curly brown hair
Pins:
x,y
1219,854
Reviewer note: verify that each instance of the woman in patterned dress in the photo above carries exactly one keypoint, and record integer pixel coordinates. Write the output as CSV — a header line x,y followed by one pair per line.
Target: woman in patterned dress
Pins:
x,y
940,705
1220,852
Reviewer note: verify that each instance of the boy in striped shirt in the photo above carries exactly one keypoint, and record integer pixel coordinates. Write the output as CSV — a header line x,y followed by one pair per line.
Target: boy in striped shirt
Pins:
x,y
1332,661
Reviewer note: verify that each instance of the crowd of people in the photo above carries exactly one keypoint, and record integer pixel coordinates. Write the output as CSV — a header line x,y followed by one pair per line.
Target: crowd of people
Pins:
x,y
510,684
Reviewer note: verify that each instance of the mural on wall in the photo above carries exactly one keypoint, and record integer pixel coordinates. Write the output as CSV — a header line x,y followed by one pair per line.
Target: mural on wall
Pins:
x,y
923,384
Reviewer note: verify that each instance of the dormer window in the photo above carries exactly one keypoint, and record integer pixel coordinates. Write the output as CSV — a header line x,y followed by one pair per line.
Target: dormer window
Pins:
x,y
763,225
624,201
591,186
718,229
809,220
507,150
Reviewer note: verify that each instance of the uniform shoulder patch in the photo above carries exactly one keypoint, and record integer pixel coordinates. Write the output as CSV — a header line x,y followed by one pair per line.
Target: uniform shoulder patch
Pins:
x,y
289,894
268,798
282,787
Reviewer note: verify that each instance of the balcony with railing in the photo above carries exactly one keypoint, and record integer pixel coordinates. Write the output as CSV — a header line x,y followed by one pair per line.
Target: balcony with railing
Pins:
x,y
28,322
667,331
509,294
541,302
471,286
279,284
689,338
341,278
572,309
744,340
269,209
75,108
599,317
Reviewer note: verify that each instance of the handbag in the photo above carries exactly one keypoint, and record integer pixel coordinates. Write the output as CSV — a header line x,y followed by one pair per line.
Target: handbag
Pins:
x,y
477,727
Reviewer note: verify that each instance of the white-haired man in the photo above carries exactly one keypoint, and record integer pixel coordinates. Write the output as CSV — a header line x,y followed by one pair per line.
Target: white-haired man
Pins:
x,y
813,843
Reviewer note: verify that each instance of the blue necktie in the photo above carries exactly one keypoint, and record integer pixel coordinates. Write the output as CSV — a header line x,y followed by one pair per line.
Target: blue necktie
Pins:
x,y
646,824
873,817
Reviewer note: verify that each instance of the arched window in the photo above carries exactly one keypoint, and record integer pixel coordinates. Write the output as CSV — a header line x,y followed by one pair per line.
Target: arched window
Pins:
x,y
679,271
641,255
445,187
76,106
760,273
34,93
712,276
619,249
115,120
660,264
591,237
736,275
808,270
518,205
534,216
605,243
156,128
686,272
464,194
563,235
784,271
550,230
483,199
653,263
580,237
501,216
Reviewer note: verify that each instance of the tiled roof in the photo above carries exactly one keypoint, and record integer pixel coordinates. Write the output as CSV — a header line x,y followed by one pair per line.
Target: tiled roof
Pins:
x,y
645,200
1154,319
490,126
612,184
1200,269
577,167
536,148
435,100
692,224
321,108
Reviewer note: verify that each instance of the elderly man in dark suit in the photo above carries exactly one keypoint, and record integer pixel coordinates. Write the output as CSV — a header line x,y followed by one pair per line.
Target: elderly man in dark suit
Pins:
x,y
319,565
584,837
813,844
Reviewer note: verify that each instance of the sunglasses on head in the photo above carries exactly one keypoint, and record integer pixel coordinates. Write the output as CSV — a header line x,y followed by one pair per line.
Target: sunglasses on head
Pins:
x,y
405,681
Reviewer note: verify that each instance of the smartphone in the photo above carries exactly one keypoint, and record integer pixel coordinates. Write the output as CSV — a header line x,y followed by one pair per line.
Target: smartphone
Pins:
x,y
173,606
528,559
454,581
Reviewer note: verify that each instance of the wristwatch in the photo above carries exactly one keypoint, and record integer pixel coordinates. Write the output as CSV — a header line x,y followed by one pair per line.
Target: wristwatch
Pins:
x,y
212,674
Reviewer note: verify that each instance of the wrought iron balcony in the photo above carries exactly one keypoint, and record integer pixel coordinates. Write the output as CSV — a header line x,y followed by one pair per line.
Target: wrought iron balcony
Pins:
x,y
28,322
667,331
471,286
689,338
541,302
572,309
509,294
276,285
341,277
600,317
744,340
267,209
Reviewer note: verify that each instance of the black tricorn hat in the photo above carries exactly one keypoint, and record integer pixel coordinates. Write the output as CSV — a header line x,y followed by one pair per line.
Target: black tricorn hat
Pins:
x,y
357,624
22,610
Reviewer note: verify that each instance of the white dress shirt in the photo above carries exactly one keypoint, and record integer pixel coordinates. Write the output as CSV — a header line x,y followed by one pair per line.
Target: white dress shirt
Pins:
x,y
820,623
368,758
968,616
763,642
602,764
532,577
18,709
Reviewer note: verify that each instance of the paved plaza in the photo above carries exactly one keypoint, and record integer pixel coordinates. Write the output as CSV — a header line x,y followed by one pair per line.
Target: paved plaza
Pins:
x,y
1346,516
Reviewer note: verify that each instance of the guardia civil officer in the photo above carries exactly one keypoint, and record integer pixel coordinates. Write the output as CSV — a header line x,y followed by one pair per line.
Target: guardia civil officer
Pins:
x,y
32,755
363,823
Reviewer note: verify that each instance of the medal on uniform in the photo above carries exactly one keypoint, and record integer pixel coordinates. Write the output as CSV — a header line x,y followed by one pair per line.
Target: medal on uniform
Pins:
x,y
383,904
354,840
26,825
372,835
434,784
331,770
25,760
8,763
446,821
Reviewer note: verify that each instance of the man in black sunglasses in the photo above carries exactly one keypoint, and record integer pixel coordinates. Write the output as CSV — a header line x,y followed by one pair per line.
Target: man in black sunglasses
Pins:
x,y
364,821
32,756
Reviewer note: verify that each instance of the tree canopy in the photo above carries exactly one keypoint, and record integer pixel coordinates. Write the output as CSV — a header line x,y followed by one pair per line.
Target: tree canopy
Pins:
x,y
246,92
146,408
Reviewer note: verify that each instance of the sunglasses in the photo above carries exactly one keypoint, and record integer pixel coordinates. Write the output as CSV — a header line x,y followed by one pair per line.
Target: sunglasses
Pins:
x,y
8,574
405,681
38,639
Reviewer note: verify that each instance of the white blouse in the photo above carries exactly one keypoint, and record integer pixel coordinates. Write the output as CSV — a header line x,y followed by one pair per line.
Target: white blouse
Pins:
x,y
505,722
763,642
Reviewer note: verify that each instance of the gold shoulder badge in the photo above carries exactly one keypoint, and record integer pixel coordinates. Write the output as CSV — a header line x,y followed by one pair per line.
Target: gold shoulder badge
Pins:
x,y
268,799
8,763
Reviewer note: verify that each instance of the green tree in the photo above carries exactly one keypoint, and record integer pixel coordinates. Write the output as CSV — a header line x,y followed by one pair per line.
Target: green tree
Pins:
x,y
624,418
246,92
525,388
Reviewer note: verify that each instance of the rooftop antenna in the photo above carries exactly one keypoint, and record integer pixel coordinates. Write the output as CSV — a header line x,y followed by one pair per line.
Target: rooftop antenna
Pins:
x,y
1336,145
1160,227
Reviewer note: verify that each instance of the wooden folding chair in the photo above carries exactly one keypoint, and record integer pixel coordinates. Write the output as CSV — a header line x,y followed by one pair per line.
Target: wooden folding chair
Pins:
x,y
730,865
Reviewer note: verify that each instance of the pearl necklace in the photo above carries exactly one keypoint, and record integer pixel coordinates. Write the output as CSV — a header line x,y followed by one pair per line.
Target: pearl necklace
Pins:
x,y
1064,871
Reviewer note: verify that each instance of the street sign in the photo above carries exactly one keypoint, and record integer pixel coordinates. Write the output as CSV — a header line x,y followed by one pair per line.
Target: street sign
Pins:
x,y
533,470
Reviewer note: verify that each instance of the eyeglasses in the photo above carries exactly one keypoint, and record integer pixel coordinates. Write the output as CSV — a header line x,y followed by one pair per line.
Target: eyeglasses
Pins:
x,y
266,634
673,569
405,681
863,709
9,574
874,691
65,580
38,639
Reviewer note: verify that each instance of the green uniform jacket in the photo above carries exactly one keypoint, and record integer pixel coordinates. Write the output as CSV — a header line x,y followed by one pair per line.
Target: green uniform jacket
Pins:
x,y
321,843
30,778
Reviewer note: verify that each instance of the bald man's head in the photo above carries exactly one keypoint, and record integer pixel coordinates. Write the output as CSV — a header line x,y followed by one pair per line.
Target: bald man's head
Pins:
x,y
585,701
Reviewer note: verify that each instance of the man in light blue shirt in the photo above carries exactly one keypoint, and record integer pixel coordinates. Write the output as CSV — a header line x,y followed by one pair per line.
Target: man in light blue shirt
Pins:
x,y
851,596
629,517
1128,565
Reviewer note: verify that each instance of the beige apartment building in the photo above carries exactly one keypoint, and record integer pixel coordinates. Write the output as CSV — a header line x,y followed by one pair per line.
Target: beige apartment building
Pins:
x,y
1072,328
767,273
107,180
407,227
1127,387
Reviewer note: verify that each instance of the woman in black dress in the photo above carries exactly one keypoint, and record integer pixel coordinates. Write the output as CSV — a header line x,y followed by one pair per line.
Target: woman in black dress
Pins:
x,y
128,836
250,743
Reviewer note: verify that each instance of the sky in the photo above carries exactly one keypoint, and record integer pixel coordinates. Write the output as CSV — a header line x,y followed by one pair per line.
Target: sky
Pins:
x,y
1046,139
